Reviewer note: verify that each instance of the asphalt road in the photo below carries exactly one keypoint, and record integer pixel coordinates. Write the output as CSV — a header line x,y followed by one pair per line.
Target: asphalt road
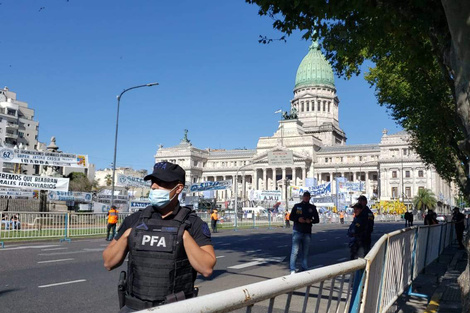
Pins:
x,y
70,277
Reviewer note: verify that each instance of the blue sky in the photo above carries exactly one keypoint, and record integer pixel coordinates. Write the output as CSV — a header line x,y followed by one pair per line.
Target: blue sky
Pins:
x,y
70,59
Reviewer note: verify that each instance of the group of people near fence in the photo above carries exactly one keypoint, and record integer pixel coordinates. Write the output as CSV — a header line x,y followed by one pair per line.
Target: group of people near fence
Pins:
x,y
11,223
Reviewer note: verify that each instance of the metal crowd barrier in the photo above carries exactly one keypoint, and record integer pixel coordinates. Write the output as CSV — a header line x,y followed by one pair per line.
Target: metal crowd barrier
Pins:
x,y
372,284
29,225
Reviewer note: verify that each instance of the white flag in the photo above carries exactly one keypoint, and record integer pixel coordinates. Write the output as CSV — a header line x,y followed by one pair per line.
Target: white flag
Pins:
x,y
278,111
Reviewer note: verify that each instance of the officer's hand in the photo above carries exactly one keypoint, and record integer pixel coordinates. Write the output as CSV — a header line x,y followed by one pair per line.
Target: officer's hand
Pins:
x,y
301,220
126,233
308,221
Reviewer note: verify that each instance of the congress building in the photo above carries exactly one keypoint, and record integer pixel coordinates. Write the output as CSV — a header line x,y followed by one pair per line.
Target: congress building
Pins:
x,y
387,170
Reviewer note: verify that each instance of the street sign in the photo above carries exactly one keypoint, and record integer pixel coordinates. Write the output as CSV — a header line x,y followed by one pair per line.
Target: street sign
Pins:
x,y
280,157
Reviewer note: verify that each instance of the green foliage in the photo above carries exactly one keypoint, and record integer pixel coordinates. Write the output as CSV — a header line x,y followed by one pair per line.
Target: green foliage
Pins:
x,y
79,182
410,43
425,199
109,179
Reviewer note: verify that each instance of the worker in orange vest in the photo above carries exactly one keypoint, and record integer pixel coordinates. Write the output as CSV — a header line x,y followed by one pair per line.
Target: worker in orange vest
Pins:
x,y
214,219
112,221
286,217
341,217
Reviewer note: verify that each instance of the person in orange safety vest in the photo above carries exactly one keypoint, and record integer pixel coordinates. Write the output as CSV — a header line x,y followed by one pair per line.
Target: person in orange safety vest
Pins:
x,y
112,221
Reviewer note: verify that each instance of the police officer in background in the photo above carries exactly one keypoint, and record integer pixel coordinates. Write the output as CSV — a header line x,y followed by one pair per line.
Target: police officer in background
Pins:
x,y
167,245
369,216
357,233
459,223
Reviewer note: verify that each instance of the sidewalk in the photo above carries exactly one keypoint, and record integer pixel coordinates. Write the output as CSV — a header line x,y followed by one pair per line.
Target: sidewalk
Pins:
x,y
439,283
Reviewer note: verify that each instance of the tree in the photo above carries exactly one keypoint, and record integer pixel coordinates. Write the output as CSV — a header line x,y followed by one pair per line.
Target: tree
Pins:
x,y
421,51
424,200
109,179
79,182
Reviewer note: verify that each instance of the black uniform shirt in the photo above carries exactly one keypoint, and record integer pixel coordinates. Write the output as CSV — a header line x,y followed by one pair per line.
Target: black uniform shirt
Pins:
x,y
305,210
199,229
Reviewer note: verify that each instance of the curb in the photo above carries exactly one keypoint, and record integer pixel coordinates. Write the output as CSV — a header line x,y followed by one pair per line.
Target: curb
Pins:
x,y
434,303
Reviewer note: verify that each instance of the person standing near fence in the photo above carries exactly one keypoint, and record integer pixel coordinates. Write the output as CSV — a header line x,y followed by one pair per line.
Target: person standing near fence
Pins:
x,y
214,220
113,219
303,214
286,218
430,218
167,245
459,222
369,216
357,233
341,217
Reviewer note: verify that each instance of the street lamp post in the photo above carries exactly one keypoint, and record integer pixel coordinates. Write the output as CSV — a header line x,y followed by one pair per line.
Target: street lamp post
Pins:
x,y
116,135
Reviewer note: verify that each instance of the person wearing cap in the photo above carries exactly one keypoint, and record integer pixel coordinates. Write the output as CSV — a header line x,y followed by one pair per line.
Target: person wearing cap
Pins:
x,y
167,245
358,233
303,214
459,223
369,216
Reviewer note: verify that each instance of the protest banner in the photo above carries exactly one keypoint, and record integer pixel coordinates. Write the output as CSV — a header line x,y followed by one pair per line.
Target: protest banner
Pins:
x,y
132,181
43,158
33,182
70,196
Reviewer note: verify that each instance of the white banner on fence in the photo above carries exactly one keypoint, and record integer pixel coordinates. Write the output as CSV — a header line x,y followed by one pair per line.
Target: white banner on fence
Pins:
x,y
19,194
350,186
132,181
43,158
100,207
33,182
209,185
119,199
70,196
264,195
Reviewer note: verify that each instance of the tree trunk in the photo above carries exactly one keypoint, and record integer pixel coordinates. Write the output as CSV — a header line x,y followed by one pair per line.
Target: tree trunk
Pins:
x,y
458,19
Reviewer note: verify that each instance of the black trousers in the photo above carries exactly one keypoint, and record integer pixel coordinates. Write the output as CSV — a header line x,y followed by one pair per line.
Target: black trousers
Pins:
x,y
109,228
459,233
214,225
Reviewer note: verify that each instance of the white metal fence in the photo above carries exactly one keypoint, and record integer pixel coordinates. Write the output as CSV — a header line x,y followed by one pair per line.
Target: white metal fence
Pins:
x,y
372,284
28,225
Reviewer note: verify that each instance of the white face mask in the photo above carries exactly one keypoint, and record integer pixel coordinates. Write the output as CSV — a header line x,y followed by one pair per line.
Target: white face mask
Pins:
x,y
160,197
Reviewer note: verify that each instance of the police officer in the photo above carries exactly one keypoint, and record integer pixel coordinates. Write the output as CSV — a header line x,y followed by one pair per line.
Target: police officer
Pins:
x,y
167,245
369,216
303,214
357,233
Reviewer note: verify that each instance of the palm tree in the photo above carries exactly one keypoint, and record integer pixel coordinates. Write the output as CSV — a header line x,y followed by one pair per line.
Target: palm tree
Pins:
x,y
425,199
109,179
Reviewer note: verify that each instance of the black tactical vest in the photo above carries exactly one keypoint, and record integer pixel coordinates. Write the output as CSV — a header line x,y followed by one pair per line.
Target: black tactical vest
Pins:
x,y
158,265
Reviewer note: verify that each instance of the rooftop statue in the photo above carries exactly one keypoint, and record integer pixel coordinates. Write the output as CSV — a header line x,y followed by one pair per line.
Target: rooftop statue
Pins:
x,y
290,116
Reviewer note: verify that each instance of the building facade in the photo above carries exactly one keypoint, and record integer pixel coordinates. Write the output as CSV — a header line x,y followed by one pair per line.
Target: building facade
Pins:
x,y
17,128
387,170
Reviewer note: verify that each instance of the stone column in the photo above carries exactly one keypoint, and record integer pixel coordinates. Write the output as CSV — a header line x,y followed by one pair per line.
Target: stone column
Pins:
x,y
304,174
294,176
254,184
265,178
367,184
243,187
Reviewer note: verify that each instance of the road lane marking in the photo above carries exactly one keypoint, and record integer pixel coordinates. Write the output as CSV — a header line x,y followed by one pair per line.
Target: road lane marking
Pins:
x,y
323,239
72,252
29,247
51,249
223,244
64,283
220,256
337,237
258,261
52,261
283,246
342,259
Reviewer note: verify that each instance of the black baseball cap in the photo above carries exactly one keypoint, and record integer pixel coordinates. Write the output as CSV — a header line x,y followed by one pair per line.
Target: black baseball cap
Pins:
x,y
167,172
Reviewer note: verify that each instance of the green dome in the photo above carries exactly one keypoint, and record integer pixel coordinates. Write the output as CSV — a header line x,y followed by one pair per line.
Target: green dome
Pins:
x,y
314,69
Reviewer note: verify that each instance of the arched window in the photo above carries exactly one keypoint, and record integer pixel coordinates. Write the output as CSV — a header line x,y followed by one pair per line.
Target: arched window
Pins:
x,y
318,106
324,106
307,105
329,106
301,106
